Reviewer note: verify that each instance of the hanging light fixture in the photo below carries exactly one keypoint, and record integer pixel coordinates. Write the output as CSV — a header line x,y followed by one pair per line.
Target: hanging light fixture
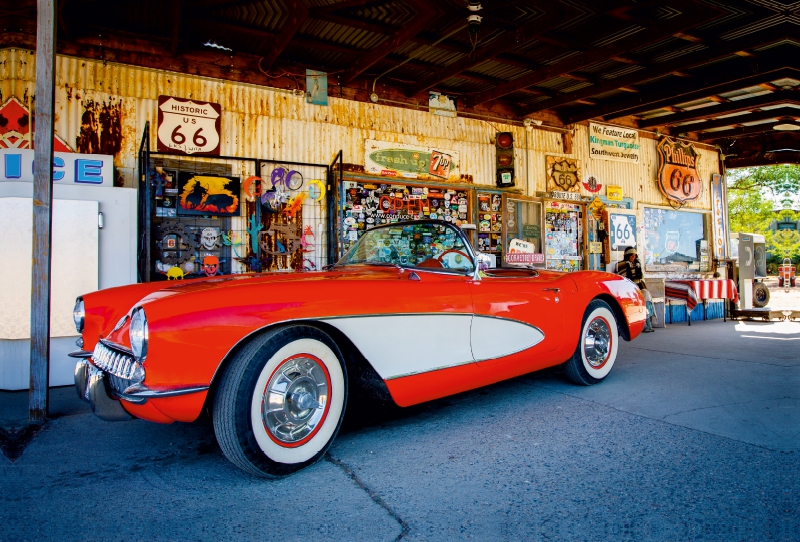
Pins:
x,y
474,20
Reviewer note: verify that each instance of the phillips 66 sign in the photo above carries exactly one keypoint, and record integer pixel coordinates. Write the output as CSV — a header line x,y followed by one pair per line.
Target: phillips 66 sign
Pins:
x,y
188,126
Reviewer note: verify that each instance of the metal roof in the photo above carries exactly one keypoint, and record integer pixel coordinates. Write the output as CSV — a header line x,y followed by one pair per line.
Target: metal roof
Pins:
x,y
679,67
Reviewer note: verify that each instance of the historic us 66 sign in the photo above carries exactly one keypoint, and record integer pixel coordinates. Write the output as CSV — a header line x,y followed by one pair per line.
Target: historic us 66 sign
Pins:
x,y
187,126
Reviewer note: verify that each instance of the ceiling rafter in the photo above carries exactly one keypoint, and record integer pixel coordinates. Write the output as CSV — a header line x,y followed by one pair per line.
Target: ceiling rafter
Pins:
x,y
733,75
522,34
393,42
658,70
767,127
777,113
693,15
745,104
298,13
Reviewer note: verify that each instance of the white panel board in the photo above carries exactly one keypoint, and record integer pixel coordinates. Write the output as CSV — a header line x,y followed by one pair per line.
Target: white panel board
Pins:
x,y
74,263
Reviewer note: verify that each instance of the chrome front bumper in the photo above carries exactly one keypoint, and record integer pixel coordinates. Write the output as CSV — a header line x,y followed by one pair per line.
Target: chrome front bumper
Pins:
x,y
95,387
90,382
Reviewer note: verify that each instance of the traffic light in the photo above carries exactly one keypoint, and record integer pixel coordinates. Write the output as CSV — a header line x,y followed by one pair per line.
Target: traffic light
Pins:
x,y
504,161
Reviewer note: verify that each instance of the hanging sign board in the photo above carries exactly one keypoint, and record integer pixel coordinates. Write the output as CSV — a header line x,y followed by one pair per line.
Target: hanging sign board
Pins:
x,y
718,200
623,230
522,252
188,126
410,161
563,174
677,170
68,167
613,143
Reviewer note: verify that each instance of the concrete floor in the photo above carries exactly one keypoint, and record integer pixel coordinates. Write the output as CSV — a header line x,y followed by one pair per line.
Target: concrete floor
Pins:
x,y
694,436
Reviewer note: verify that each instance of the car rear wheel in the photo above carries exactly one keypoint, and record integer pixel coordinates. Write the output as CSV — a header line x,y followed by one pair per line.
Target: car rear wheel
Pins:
x,y
280,401
597,348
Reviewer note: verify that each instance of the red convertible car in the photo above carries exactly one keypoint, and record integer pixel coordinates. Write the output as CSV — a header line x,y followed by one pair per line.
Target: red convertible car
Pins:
x,y
406,314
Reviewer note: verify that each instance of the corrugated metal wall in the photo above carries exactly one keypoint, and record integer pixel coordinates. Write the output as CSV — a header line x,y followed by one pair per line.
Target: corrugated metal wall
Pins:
x,y
272,123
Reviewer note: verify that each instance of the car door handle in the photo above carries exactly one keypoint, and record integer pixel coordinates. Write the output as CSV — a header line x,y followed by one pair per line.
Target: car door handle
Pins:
x,y
556,290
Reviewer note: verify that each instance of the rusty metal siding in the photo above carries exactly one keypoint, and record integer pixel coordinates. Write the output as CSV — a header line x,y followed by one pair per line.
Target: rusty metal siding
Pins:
x,y
278,124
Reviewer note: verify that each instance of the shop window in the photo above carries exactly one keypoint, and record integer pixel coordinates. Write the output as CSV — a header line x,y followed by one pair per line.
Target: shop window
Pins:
x,y
522,222
563,236
675,241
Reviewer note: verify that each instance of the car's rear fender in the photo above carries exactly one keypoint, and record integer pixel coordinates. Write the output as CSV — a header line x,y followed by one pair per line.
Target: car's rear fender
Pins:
x,y
619,314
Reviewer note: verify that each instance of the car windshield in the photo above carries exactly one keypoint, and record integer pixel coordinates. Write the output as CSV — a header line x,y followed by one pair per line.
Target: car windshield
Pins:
x,y
431,245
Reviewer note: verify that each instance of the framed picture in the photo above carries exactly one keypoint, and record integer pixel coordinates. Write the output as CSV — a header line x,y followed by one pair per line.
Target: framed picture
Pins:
x,y
208,194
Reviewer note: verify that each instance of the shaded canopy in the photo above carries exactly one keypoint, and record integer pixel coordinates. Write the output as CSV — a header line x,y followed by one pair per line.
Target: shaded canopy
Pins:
x,y
721,71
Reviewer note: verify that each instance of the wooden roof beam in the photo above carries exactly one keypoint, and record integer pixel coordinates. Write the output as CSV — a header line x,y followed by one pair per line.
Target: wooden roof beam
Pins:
x,y
730,76
745,104
767,127
693,16
777,113
522,35
393,42
674,66
298,13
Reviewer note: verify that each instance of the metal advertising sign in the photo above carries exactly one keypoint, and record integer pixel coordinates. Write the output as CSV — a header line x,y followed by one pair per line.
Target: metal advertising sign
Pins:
x,y
623,230
187,126
410,162
613,143
677,172
563,174
68,167
720,216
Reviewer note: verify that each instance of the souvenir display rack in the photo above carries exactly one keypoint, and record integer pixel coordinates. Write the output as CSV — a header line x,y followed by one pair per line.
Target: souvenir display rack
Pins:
x,y
241,213
489,221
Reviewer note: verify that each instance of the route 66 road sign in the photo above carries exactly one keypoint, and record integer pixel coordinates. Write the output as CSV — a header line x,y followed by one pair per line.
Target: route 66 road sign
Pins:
x,y
187,126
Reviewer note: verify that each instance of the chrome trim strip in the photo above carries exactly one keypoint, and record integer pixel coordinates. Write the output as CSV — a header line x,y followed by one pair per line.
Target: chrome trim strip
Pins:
x,y
430,370
81,354
139,392
118,347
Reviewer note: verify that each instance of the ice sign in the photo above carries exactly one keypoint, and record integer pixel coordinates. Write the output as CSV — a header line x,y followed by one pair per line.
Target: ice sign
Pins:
x,y
623,231
187,126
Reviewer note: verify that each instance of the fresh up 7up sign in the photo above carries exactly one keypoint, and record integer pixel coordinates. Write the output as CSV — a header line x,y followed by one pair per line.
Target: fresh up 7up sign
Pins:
x,y
410,162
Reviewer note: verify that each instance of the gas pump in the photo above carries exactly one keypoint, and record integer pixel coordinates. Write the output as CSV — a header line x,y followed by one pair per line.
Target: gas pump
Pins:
x,y
752,270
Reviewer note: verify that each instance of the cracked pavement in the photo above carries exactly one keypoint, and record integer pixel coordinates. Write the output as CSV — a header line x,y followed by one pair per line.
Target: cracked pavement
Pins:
x,y
694,436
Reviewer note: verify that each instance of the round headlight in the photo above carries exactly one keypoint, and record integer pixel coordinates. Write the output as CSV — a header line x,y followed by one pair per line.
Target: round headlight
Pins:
x,y
139,334
79,314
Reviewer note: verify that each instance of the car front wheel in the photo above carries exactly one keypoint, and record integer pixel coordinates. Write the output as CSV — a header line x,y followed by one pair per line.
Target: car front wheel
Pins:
x,y
281,400
597,348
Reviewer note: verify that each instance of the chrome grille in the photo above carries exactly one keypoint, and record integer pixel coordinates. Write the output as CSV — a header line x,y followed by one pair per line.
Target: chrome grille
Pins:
x,y
123,370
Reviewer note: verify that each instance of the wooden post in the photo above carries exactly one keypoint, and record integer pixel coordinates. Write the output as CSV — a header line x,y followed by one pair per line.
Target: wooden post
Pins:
x,y
38,395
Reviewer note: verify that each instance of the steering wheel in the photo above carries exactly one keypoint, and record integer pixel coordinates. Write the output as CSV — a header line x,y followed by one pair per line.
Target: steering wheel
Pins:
x,y
440,256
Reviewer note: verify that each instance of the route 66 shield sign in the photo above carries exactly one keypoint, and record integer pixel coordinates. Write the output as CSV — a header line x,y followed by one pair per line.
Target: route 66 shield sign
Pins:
x,y
672,241
188,126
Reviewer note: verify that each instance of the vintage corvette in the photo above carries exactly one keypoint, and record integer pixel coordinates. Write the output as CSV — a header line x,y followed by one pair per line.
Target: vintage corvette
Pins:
x,y
406,314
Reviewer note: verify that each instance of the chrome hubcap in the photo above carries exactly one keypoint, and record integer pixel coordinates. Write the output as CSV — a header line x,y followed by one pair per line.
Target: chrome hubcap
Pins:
x,y
597,342
295,400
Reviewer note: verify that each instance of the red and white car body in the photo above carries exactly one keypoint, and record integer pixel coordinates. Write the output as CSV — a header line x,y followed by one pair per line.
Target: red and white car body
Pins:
x,y
273,355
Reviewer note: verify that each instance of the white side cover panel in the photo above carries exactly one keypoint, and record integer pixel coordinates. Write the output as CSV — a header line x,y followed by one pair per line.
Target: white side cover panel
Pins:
x,y
401,345
497,337
438,341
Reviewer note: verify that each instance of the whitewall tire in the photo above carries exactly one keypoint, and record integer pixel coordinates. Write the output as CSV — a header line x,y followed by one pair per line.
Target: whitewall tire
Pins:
x,y
597,347
280,401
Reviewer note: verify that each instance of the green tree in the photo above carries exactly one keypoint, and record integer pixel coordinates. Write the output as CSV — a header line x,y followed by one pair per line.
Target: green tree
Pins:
x,y
780,183
749,212
783,243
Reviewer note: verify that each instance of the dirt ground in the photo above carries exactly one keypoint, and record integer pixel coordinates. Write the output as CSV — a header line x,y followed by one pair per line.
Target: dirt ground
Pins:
x,y
782,298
